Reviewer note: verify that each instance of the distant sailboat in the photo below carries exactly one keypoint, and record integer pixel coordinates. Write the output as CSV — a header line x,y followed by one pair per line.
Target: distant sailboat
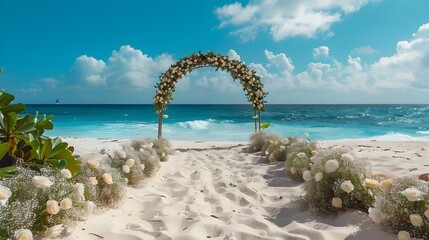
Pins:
x,y
57,102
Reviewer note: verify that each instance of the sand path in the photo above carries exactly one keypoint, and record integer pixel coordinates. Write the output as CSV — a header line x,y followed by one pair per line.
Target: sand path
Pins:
x,y
217,191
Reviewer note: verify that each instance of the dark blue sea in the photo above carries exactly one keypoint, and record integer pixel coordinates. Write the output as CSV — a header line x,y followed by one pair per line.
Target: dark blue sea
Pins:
x,y
235,122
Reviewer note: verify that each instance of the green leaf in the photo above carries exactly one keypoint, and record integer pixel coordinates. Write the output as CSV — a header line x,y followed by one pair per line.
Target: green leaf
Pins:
x,y
62,163
9,122
4,148
7,171
46,150
6,99
58,149
265,125
19,107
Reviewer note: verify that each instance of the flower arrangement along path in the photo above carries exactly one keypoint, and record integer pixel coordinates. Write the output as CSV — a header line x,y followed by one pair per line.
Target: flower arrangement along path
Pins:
x,y
215,190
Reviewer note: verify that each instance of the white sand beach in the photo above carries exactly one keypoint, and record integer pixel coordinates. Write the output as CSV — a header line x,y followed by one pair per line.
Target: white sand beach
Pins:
x,y
215,190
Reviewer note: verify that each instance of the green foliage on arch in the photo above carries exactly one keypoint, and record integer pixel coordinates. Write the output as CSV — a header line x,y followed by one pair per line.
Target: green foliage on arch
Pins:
x,y
250,82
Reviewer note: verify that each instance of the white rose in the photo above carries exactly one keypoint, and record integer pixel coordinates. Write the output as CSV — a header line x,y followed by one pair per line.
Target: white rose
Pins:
x,y
130,162
93,164
23,234
375,215
347,157
386,184
416,220
141,150
427,213
347,186
293,170
413,194
66,203
55,231
88,207
66,173
313,152
306,135
122,154
337,202
5,194
93,181
285,141
282,148
126,169
163,155
78,191
331,165
318,176
404,235
52,207
41,182
301,155
107,178
371,183
306,175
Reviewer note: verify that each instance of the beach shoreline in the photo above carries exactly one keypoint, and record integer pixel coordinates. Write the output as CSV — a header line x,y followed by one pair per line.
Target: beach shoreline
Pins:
x,y
216,189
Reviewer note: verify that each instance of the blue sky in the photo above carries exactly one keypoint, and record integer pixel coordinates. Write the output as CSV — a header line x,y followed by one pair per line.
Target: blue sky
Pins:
x,y
306,51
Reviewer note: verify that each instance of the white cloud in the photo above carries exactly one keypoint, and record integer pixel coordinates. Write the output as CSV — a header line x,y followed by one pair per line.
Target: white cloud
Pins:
x,y
364,50
127,67
321,51
285,19
233,55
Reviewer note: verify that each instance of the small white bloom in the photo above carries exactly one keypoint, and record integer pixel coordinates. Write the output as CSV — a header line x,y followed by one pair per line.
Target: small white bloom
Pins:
x,y
5,194
88,207
66,173
285,141
41,182
347,186
337,202
375,215
66,203
141,150
23,234
93,181
386,184
142,166
282,148
306,175
301,155
130,162
52,207
126,169
107,178
293,170
78,191
427,213
276,143
371,183
271,141
404,235
165,116
347,157
413,194
313,152
151,145
163,155
55,231
122,154
306,135
331,165
416,220
318,176
266,153
93,164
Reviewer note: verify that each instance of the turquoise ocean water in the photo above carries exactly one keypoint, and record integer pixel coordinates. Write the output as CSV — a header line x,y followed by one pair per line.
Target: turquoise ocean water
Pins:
x,y
234,122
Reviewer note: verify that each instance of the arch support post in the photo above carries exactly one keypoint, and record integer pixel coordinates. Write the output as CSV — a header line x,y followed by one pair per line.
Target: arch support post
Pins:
x,y
259,120
159,125
256,120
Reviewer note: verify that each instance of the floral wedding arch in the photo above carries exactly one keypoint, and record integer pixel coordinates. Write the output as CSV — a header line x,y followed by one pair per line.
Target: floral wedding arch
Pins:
x,y
250,82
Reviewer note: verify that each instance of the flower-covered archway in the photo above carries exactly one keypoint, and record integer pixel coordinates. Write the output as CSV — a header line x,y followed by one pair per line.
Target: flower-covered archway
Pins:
x,y
250,82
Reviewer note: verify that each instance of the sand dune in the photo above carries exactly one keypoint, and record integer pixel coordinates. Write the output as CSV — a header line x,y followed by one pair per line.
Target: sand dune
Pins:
x,y
215,190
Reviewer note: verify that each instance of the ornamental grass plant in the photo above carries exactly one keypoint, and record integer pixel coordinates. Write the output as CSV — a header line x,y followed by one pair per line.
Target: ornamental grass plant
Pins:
x,y
402,205
336,182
